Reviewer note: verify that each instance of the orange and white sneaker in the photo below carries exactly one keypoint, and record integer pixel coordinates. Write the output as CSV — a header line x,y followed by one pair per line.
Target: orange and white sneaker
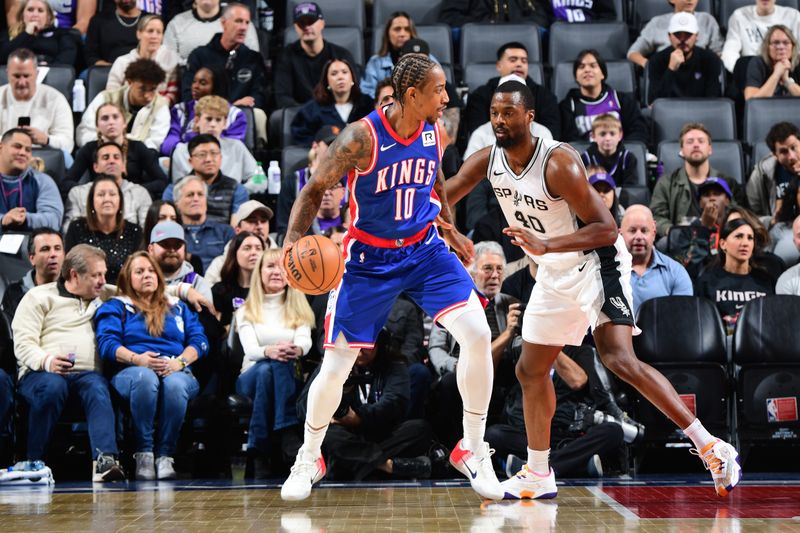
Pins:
x,y
529,485
305,472
722,460
477,466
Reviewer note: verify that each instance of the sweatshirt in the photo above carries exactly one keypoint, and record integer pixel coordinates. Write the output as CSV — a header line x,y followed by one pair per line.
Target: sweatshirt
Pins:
x,y
746,31
255,337
118,323
49,111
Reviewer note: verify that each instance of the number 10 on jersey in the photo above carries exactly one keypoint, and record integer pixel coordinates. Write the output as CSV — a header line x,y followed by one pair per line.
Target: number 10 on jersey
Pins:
x,y
404,204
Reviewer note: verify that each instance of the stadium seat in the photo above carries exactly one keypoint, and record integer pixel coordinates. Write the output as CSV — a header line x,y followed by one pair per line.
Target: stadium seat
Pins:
x,y
684,338
670,114
632,195
620,76
423,12
610,39
725,9
12,268
96,82
250,132
477,74
644,10
293,158
726,157
760,114
479,42
336,13
436,35
54,164
286,124
59,78
760,151
350,38
766,348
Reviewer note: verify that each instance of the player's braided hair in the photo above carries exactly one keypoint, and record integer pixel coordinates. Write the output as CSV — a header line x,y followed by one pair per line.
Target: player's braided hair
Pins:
x,y
410,71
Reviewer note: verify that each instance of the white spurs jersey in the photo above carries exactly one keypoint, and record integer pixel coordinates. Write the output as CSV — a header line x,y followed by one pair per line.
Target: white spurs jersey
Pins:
x,y
526,202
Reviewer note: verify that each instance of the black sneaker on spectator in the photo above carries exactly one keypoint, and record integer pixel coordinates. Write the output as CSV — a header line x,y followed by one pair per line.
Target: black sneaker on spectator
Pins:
x,y
106,468
595,466
410,468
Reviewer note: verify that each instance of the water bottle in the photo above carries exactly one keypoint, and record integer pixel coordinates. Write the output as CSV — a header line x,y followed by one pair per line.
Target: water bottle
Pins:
x,y
258,182
266,16
274,178
79,97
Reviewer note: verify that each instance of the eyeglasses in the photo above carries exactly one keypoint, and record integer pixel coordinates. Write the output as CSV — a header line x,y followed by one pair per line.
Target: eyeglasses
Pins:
x,y
776,44
489,270
203,155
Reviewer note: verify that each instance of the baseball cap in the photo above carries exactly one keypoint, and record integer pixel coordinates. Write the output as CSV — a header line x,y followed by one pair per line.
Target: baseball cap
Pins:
x,y
511,77
714,181
308,11
250,207
415,46
682,22
604,177
167,230
327,134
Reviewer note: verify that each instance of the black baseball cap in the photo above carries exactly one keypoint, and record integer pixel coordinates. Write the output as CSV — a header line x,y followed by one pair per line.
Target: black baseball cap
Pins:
x,y
308,12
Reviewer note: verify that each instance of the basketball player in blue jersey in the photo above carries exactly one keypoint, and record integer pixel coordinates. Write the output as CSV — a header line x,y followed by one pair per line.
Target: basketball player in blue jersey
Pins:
x,y
391,158
583,280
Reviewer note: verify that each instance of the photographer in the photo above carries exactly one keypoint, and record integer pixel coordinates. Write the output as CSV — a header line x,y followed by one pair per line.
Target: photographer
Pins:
x,y
503,314
581,434
369,430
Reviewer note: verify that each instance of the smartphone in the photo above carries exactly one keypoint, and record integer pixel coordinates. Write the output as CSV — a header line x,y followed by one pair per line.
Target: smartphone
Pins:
x,y
24,121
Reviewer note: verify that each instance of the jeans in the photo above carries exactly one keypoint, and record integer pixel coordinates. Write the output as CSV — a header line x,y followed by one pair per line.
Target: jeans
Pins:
x,y
46,393
272,387
148,394
6,403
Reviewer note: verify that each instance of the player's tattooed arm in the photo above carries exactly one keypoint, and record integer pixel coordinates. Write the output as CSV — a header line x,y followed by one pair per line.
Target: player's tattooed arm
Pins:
x,y
471,172
461,245
351,149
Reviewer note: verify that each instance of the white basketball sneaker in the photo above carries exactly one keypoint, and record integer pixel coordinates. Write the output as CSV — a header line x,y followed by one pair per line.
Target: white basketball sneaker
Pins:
x,y
477,466
722,460
304,474
529,485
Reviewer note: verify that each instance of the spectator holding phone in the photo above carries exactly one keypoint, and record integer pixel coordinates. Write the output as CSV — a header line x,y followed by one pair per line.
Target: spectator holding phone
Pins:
x,y
38,109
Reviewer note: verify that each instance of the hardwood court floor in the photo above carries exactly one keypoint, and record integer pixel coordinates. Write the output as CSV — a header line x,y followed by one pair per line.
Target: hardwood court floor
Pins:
x,y
198,507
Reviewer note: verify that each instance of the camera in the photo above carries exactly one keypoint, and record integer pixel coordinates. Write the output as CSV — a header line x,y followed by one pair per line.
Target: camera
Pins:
x,y
587,416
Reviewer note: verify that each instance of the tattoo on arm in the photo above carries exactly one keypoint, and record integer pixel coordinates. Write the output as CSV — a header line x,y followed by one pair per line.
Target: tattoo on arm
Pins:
x,y
352,149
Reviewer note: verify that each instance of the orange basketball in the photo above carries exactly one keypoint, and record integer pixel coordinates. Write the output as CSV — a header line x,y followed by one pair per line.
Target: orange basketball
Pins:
x,y
314,265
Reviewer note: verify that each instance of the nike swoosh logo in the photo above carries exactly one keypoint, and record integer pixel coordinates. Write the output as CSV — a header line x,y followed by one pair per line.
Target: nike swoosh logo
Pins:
x,y
582,267
384,148
496,173
471,473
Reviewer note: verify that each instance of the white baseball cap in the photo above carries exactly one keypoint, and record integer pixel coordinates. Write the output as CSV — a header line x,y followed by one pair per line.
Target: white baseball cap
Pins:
x,y
682,22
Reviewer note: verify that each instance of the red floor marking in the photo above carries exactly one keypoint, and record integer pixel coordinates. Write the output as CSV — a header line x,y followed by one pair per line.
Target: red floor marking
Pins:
x,y
766,501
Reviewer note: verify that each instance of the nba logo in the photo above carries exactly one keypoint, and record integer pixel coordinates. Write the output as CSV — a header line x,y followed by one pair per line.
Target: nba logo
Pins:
x,y
428,138
782,409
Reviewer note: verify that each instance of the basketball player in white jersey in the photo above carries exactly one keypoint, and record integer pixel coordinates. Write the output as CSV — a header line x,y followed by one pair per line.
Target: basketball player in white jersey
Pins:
x,y
583,281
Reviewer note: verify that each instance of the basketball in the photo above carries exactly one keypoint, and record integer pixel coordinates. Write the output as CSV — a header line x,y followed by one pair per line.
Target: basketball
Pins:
x,y
314,265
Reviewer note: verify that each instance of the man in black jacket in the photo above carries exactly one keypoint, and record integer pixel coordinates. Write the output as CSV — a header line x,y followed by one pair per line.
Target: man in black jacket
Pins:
x,y
683,69
46,253
247,77
512,58
300,65
369,431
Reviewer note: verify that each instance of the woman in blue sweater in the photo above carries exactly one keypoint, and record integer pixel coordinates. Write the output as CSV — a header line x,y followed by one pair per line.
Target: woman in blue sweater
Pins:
x,y
151,339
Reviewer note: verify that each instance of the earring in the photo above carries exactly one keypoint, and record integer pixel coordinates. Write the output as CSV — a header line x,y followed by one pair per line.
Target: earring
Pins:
x,y
328,87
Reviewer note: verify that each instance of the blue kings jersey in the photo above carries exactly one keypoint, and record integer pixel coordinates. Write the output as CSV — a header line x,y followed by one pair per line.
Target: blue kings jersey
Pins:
x,y
394,198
